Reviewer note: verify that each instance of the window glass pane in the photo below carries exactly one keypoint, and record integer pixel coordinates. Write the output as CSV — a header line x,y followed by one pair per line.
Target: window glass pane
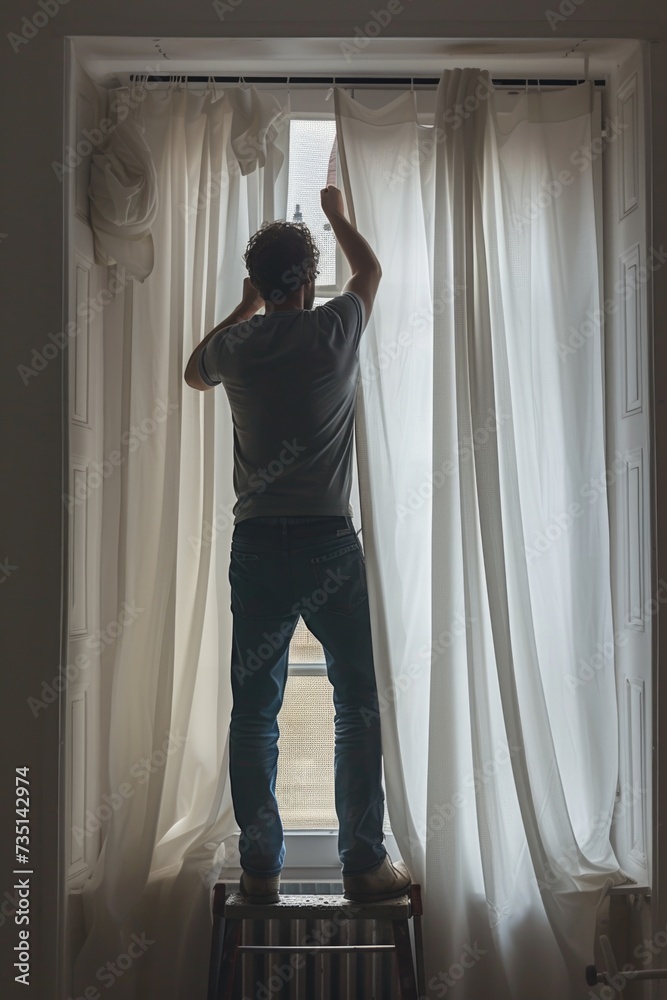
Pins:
x,y
304,647
305,783
310,148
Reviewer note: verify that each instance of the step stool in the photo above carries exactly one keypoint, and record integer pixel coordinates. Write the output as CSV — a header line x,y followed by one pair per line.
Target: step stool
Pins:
x,y
230,911
612,974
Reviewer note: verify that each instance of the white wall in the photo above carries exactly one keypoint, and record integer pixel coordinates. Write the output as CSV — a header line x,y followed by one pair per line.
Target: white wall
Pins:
x,y
31,292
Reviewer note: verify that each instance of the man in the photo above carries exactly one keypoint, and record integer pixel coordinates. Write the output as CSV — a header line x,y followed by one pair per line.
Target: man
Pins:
x,y
291,378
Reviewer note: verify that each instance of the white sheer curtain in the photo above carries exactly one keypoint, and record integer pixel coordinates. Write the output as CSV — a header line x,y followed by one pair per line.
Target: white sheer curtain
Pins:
x,y
487,560
221,167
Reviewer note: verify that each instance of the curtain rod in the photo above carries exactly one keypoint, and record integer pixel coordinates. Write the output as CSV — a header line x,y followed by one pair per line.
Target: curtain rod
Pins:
x,y
356,81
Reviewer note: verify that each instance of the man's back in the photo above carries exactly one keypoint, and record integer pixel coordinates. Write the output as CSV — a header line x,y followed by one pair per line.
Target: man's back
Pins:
x,y
291,379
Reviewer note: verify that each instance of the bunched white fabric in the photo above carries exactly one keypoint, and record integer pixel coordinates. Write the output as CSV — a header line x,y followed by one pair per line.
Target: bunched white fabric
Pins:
x,y
166,694
123,198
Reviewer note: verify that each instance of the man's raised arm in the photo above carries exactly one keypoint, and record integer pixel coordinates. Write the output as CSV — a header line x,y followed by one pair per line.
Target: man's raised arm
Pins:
x,y
365,267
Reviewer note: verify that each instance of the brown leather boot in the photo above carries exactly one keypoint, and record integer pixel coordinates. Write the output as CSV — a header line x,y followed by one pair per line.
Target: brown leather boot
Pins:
x,y
387,881
260,889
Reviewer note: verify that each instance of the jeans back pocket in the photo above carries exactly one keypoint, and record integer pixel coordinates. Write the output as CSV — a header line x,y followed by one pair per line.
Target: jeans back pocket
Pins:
x,y
340,576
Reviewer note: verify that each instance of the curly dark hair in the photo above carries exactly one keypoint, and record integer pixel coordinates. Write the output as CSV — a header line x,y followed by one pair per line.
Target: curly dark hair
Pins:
x,y
281,257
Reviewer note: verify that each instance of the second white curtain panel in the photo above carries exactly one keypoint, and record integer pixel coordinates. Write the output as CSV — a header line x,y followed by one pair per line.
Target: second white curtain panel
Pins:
x,y
472,435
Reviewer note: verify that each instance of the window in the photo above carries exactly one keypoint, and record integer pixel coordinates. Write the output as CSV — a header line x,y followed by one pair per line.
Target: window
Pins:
x,y
311,145
305,782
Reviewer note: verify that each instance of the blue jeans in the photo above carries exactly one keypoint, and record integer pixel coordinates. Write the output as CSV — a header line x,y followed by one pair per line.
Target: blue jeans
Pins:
x,y
282,568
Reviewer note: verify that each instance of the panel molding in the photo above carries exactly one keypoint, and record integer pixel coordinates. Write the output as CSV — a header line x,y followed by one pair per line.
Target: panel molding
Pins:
x,y
630,272
80,411
85,119
79,624
638,790
628,115
78,778
633,529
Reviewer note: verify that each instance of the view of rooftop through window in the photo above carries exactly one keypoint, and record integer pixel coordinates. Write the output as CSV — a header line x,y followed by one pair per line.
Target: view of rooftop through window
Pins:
x,y
310,148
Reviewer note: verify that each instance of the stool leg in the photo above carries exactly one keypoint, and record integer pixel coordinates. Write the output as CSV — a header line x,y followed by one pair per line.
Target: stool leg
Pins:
x,y
406,969
230,942
216,956
419,955
216,941
417,910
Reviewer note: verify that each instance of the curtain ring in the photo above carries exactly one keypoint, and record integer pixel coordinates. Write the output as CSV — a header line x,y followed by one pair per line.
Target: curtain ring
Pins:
x,y
144,80
141,96
212,83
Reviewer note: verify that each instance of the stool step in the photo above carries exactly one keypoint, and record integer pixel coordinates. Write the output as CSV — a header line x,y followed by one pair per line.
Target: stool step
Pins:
x,y
289,948
237,907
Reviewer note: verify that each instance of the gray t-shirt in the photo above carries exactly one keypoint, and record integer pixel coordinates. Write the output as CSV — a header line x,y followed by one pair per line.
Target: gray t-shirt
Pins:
x,y
291,379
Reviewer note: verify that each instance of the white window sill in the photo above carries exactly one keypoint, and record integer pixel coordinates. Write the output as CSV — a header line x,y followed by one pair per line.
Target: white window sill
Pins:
x,y
312,856
317,850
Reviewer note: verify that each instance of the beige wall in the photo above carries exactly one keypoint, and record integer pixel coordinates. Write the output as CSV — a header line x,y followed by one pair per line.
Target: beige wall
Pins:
x,y
31,292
